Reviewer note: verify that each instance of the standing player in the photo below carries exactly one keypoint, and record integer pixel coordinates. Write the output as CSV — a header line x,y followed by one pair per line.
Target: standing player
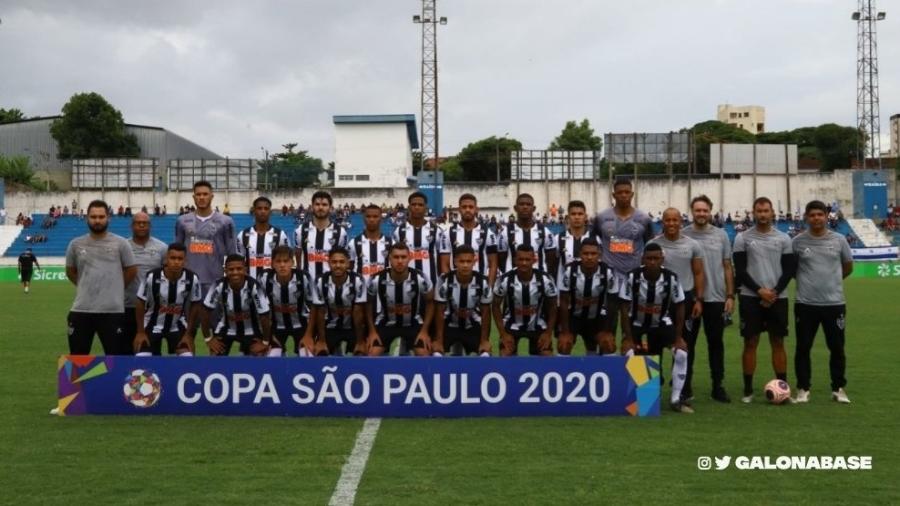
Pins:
x,y
290,293
529,296
718,290
623,231
168,307
208,236
368,250
587,291
824,259
256,242
469,233
653,307
244,309
764,263
463,314
421,236
149,253
575,233
684,256
27,263
400,304
316,237
525,232
340,311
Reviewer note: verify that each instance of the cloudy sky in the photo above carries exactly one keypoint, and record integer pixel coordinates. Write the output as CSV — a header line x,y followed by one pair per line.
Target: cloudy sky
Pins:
x,y
235,76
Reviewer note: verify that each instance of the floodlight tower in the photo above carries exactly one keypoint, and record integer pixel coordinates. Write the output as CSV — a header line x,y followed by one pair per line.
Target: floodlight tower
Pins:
x,y
429,98
867,108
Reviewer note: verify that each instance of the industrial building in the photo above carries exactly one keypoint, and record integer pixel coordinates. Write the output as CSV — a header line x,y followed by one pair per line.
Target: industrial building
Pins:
x,y
374,151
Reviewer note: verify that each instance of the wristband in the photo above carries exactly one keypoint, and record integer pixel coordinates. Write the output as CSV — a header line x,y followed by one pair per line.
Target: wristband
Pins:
x,y
207,339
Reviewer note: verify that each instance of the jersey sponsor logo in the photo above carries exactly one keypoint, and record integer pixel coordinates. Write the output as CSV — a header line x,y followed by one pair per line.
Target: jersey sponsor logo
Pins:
x,y
317,256
588,302
654,309
400,309
372,269
619,245
419,254
173,310
238,316
260,262
201,247
525,310
285,308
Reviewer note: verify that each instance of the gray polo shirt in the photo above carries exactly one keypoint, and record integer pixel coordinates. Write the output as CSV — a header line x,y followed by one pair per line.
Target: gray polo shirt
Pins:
x,y
101,285
623,241
148,257
820,280
679,255
208,242
763,257
716,249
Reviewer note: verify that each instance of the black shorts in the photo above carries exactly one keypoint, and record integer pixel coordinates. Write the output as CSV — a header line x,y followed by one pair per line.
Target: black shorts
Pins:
x,y
243,344
281,337
387,334
532,336
334,338
588,329
107,326
171,338
26,275
470,339
657,339
756,319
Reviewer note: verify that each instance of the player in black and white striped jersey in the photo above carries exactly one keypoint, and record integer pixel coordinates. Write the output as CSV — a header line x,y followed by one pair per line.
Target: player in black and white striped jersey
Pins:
x,y
339,314
400,304
576,232
525,306
421,237
315,238
168,306
244,309
368,250
291,293
462,310
588,290
470,233
257,242
526,232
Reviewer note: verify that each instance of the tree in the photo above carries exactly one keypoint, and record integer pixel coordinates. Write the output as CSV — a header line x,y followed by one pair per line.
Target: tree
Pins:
x,y
716,132
92,128
10,115
577,137
17,170
837,145
293,169
478,160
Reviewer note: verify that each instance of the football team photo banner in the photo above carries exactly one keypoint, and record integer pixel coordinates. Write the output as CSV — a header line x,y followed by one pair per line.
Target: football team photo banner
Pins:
x,y
359,387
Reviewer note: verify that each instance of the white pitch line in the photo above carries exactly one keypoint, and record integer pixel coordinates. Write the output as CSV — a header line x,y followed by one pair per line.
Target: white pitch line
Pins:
x,y
345,490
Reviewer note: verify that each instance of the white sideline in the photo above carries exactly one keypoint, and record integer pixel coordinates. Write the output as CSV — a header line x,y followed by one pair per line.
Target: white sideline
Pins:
x,y
345,490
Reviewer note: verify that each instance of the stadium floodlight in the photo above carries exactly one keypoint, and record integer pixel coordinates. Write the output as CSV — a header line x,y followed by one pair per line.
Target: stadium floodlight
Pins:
x,y
417,18
881,16
444,19
855,16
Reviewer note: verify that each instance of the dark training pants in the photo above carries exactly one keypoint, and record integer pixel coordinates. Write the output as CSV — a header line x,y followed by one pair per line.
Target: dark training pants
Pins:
x,y
714,328
808,318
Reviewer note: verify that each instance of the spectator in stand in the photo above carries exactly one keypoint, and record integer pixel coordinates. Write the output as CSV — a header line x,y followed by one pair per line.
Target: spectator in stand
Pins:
x,y
164,211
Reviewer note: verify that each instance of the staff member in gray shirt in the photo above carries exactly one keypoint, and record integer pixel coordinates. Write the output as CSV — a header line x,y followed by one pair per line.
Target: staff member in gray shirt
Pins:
x,y
824,259
149,253
100,264
718,289
684,257
764,265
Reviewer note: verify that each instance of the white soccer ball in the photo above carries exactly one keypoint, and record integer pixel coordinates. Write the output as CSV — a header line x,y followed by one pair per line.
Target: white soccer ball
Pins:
x,y
778,391
142,388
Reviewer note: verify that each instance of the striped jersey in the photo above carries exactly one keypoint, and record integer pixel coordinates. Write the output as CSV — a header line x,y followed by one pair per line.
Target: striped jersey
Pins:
x,y
570,246
463,303
315,245
481,238
524,301
538,237
369,257
257,248
338,300
167,303
289,301
423,246
651,303
399,304
589,294
240,309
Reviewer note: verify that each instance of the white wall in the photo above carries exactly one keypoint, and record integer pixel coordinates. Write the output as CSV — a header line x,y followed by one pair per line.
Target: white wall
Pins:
x,y
380,150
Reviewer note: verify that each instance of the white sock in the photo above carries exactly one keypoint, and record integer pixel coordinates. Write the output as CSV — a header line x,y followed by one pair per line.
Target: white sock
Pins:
x,y
629,353
185,354
143,354
679,373
275,352
437,354
26,289
485,354
303,352
613,354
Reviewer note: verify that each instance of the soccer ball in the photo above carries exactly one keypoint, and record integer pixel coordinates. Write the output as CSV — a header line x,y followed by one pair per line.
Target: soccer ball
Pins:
x,y
778,391
142,388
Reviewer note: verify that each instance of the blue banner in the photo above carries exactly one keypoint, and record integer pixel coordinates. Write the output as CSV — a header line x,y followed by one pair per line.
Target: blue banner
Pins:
x,y
359,387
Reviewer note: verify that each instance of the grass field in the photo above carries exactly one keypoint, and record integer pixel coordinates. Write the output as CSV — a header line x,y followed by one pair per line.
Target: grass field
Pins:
x,y
193,460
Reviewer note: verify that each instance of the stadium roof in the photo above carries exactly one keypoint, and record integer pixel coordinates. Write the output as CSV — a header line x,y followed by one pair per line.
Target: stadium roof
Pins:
x,y
50,118
362,119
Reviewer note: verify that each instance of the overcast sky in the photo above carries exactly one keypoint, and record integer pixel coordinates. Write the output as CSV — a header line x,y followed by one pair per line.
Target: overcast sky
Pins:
x,y
235,76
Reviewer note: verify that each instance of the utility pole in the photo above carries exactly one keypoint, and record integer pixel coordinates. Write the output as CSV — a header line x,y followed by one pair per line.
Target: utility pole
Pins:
x,y
867,107
429,97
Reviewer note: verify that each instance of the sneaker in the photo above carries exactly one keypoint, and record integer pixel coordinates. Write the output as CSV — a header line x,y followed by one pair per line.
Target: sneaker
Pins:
x,y
747,399
719,394
55,411
802,396
680,407
840,396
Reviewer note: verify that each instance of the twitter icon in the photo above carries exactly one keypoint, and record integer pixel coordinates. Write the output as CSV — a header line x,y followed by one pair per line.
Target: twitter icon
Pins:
x,y
722,463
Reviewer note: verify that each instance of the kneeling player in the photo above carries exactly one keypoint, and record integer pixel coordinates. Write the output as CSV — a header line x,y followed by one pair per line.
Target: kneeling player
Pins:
x,y
463,313
339,313
290,292
525,304
244,309
653,307
167,309
587,288
400,304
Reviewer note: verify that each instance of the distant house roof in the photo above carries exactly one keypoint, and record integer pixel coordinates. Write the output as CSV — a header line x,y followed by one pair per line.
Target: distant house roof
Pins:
x,y
361,119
